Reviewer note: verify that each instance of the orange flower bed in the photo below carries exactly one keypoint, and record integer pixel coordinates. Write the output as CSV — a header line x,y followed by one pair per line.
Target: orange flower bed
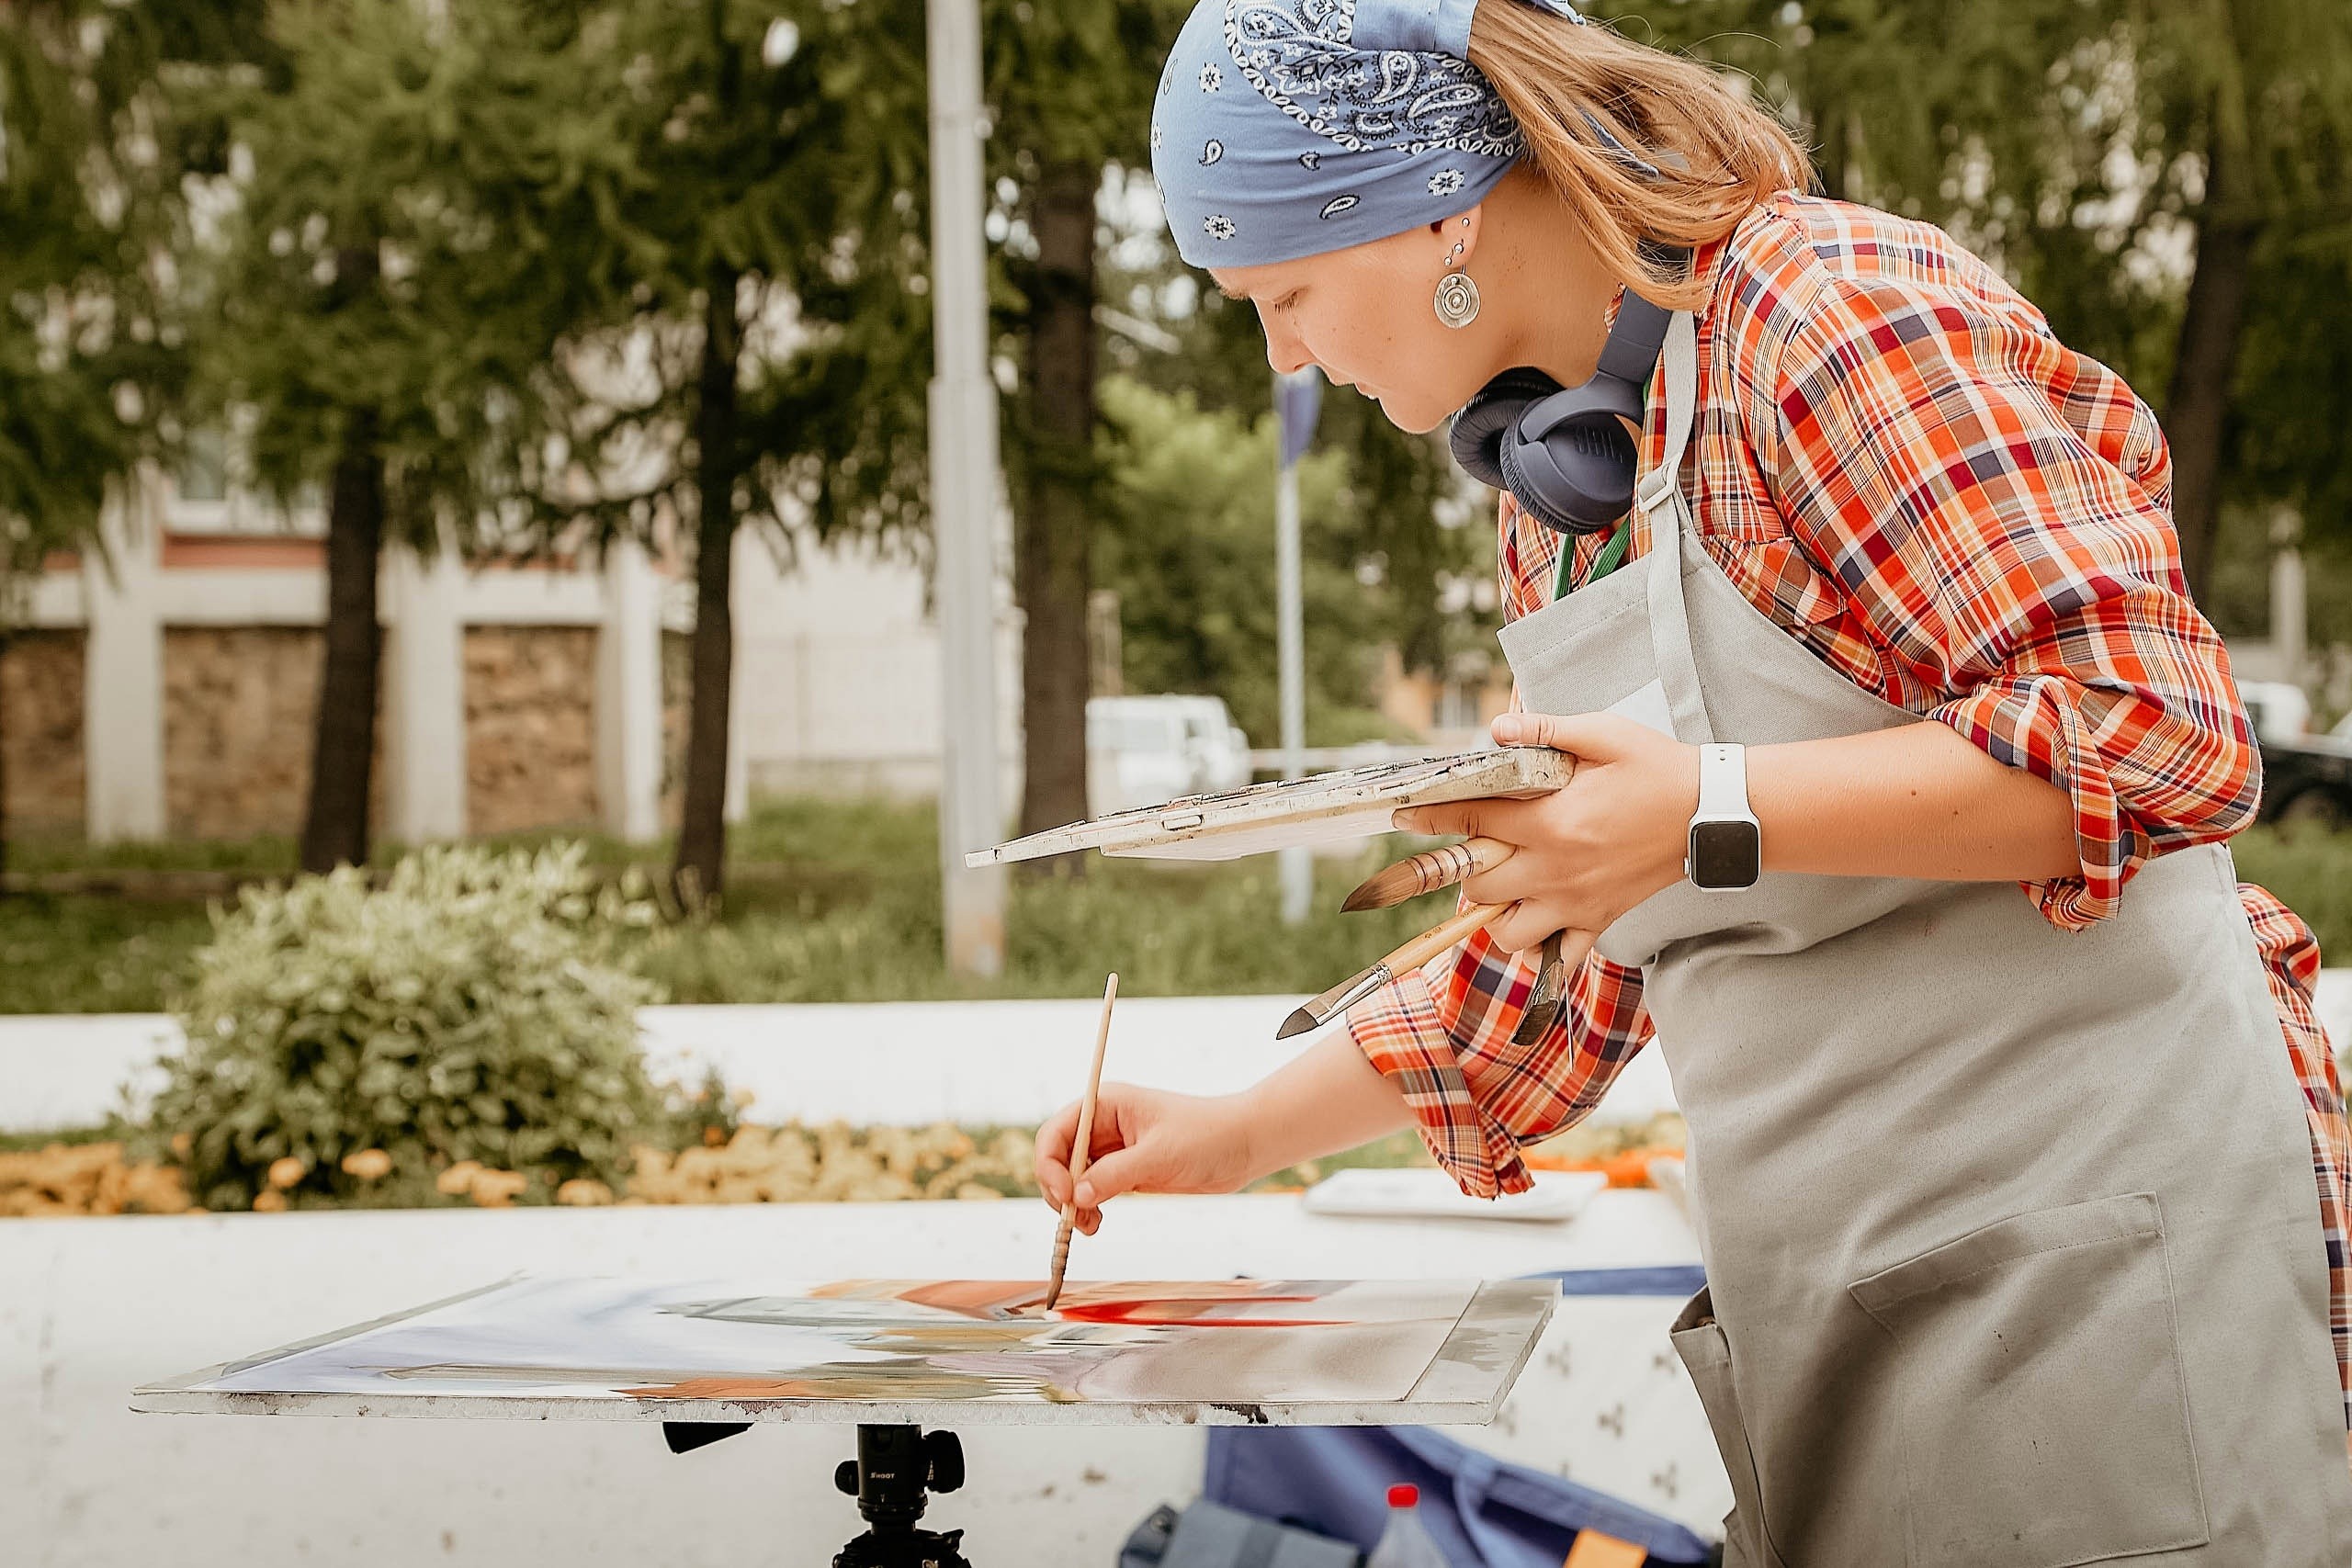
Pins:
x,y
86,1179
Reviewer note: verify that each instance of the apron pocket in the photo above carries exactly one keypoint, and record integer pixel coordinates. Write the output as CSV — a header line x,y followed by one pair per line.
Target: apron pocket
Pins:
x,y
1706,1355
2044,1419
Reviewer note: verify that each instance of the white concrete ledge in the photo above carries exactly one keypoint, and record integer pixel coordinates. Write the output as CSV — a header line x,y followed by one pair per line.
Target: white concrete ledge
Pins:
x,y
903,1063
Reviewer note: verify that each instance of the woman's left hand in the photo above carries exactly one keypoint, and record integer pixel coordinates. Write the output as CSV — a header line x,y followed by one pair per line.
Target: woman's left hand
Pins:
x,y
1584,855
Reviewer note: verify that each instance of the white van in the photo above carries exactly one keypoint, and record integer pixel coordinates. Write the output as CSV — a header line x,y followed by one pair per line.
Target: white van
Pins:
x,y
1142,751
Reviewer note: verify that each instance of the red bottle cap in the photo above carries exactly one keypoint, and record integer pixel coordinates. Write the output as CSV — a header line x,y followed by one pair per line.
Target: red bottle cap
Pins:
x,y
1404,1495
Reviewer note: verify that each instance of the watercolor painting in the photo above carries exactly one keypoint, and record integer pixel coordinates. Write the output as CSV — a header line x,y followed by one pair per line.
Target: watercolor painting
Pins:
x,y
1144,1342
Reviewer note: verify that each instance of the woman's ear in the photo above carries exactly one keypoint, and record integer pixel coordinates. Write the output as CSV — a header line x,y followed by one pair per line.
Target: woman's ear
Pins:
x,y
1457,237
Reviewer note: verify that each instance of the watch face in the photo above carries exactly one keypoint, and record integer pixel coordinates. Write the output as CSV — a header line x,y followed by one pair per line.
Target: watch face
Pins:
x,y
1726,854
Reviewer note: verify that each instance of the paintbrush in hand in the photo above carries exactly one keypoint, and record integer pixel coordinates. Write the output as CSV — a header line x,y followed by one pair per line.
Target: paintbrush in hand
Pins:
x,y
1426,872
1079,1151
1412,955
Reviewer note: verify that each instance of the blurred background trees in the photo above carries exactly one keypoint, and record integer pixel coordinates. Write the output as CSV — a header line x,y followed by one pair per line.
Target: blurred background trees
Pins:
x,y
2168,181
545,275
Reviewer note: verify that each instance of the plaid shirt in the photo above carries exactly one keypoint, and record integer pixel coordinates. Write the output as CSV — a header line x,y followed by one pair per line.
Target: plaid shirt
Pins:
x,y
1896,462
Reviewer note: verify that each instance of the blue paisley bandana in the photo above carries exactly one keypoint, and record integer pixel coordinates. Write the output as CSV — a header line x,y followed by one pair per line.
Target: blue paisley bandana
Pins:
x,y
1288,128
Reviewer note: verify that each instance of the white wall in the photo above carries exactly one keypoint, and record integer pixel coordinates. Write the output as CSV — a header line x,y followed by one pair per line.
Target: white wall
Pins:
x,y
900,1062
838,658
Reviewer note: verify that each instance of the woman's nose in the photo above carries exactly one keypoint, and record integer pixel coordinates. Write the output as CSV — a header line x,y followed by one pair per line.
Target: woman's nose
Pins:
x,y
1286,353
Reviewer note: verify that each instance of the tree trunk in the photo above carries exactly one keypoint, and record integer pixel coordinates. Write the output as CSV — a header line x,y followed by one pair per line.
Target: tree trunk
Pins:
x,y
1053,568
2197,405
702,831
4,761
343,748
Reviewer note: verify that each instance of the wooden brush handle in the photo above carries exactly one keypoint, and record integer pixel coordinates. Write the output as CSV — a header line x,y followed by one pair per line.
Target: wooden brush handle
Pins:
x,y
1081,1153
1412,955
1440,937
1081,1150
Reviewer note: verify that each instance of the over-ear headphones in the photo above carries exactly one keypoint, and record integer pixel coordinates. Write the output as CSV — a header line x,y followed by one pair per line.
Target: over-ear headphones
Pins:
x,y
1561,450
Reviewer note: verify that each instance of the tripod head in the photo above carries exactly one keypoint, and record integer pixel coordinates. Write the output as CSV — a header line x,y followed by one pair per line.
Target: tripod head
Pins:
x,y
895,1467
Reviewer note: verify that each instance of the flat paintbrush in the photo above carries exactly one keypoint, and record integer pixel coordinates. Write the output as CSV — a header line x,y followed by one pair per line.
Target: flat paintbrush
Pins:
x,y
1411,955
1079,1150
1426,872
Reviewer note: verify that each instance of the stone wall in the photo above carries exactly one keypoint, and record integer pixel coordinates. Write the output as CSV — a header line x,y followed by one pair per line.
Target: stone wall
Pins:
x,y
40,730
530,728
240,703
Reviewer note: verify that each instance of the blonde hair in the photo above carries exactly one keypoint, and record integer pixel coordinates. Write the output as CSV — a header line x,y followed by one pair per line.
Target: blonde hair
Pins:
x,y
1718,154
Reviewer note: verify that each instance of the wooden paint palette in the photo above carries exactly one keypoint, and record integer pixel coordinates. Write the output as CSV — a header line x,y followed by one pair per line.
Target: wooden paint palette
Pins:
x,y
1352,803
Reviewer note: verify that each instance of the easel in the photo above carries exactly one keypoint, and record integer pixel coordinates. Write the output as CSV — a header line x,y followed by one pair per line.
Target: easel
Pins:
x,y
895,1468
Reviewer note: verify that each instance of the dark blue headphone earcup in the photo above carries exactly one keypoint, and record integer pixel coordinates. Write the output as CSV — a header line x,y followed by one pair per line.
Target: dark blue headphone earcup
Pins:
x,y
1565,453
1477,434
1569,458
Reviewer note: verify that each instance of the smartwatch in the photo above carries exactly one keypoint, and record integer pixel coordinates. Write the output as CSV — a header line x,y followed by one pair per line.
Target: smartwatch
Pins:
x,y
1727,849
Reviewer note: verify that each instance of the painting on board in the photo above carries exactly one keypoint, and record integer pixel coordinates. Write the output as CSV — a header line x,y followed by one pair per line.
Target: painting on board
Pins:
x,y
1288,1341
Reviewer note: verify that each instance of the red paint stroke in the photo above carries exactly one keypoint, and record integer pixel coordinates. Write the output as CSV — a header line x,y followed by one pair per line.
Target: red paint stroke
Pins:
x,y
1161,1312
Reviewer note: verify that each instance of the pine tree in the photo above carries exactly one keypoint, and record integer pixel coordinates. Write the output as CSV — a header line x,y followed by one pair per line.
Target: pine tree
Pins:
x,y
414,222
770,259
90,343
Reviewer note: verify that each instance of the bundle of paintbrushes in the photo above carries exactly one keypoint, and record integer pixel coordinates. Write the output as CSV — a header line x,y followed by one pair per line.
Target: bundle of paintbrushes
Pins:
x,y
1409,878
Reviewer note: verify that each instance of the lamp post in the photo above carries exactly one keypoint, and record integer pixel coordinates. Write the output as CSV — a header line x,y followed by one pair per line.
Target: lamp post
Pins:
x,y
963,498
1298,398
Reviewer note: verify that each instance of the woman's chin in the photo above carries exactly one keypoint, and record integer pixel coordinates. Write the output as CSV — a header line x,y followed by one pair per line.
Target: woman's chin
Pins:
x,y
1402,413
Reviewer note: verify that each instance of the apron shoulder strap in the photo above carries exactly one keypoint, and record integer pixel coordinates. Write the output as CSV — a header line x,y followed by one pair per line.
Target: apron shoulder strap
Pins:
x,y
1659,501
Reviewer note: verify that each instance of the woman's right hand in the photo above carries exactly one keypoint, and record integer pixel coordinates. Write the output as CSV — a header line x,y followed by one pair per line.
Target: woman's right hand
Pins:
x,y
1146,1140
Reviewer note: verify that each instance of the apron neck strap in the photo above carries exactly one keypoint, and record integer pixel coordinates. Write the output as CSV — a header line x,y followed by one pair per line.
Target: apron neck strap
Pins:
x,y
1657,500
1681,354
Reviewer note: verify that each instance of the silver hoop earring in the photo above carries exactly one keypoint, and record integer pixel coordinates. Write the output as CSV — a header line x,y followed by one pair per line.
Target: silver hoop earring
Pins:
x,y
1457,299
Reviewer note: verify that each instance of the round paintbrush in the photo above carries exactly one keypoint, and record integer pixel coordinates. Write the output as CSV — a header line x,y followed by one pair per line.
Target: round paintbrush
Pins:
x,y
1426,872
1080,1151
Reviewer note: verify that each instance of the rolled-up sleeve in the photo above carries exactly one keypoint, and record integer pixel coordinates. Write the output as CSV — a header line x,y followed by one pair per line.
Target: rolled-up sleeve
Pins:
x,y
1442,1033
2020,563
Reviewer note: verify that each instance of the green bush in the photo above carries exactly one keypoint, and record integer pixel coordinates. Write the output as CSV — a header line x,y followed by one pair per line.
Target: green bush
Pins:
x,y
476,1007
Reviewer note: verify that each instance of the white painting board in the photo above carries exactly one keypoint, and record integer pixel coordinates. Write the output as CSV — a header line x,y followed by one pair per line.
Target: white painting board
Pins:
x,y
946,1352
1353,803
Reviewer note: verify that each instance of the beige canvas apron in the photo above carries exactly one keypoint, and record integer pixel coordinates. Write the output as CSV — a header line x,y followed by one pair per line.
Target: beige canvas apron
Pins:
x,y
2013,1250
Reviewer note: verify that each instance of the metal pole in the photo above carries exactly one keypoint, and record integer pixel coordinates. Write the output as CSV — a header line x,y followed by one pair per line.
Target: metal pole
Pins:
x,y
963,498
1290,654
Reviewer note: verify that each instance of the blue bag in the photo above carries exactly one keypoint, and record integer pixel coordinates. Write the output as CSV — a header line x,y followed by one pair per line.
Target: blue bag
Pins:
x,y
1482,1512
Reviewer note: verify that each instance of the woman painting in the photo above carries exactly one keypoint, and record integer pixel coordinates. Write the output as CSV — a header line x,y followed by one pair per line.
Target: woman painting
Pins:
x,y
1904,768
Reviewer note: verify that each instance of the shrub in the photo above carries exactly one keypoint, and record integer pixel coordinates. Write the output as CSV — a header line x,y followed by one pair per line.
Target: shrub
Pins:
x,y
474,1008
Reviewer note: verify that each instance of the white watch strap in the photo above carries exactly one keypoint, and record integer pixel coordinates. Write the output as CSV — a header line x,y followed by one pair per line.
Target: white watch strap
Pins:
x,y
1723,781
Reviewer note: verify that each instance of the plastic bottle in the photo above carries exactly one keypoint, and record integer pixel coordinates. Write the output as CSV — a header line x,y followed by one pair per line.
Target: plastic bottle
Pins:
x,y
1406,1543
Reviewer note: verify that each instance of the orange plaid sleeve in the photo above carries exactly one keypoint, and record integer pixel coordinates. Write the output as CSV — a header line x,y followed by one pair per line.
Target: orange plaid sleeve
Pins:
x,y
2017,561
1442,1033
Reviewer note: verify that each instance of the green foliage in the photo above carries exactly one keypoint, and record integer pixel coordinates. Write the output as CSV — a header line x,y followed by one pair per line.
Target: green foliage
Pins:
x,y
1190,551
94,953
2309,868
2069,142
852,915
792,178
474,1008
410,228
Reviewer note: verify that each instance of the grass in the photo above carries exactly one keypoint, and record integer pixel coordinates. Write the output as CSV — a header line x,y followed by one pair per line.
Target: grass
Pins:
x,y
839,901
828,902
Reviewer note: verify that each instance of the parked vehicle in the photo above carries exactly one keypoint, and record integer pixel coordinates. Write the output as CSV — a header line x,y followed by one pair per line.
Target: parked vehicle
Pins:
x,y
2306,774
1144,750
2279,709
